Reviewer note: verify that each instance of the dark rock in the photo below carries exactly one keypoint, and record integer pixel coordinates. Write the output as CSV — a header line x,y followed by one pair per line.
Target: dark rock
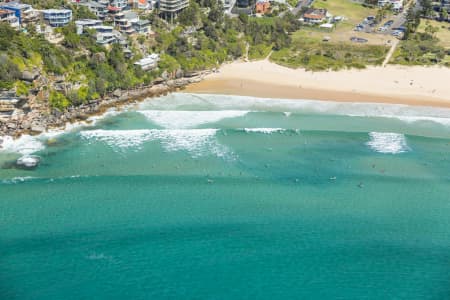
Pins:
x,y
29,76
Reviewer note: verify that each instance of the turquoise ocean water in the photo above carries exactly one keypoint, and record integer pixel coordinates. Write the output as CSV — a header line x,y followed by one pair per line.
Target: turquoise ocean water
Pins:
x,y
219,197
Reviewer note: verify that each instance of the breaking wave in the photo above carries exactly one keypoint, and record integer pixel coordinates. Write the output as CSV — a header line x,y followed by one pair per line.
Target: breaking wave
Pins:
x,y
197,142
24,145
389,143
189,119
264,130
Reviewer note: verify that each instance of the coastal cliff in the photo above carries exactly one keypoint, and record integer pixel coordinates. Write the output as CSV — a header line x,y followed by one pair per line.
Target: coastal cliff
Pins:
x,y
32,113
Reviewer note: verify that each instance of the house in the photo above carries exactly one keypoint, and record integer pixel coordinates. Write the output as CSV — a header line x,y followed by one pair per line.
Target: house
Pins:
x,y
9,16
171,8
101,8
148,63
122,23
24,12
140,4
242,3
397,5
86,23
105,35
315,15
262,6
120,4
141,26
57,17
98,9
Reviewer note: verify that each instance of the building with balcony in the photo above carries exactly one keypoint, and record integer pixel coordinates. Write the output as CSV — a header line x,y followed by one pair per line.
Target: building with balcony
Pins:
x,y
9,16
171,8
98,9
148,63
57,17
123,24
120,4
24,12
104,35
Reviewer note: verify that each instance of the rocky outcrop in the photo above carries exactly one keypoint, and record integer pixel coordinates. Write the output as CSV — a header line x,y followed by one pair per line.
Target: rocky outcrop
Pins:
x,y
32,114
30,76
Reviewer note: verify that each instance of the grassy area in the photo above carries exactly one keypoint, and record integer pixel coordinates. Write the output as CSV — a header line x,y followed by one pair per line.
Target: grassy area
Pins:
x,y
353,12
340,35
443,33
259,51
313,54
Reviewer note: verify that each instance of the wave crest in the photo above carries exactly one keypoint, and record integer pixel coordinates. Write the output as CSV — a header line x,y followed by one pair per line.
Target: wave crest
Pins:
x,y
197,142
387,142
174,119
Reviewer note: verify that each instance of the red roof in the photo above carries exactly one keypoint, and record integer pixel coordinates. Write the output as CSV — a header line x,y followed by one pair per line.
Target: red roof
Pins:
x,y
113,8
314,16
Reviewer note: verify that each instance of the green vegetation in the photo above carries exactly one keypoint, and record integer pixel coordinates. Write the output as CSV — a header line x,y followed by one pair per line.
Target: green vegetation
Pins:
x,y
442,31
203,38
352,10
422,44
420,49
58,100
315,55
259,51
293,3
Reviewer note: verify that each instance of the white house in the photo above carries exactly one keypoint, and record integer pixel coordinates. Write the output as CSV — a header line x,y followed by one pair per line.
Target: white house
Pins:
x,y
148,63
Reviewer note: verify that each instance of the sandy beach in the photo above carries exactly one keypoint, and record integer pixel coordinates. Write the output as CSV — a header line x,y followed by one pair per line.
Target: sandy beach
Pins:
x,y
425,86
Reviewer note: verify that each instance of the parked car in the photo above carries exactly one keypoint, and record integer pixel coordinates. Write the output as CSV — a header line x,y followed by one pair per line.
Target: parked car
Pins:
x,y
358,40
388,23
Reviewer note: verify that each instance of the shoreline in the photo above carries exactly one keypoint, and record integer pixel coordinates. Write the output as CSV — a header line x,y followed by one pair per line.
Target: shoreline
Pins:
x,y
45,121
414,86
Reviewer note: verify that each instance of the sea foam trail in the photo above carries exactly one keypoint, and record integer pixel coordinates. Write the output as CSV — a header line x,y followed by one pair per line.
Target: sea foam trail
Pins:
x,y
386,142
401,112
174,119
197,142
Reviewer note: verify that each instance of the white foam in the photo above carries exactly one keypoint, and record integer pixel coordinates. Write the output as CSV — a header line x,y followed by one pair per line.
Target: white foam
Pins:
x,y
414,119
16,180
401,112
177,119
25,145
196,141
263,130
387,142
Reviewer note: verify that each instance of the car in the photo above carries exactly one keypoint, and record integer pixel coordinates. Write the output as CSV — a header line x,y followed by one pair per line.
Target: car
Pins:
x,y
382,29
388,23
370,18
358,40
